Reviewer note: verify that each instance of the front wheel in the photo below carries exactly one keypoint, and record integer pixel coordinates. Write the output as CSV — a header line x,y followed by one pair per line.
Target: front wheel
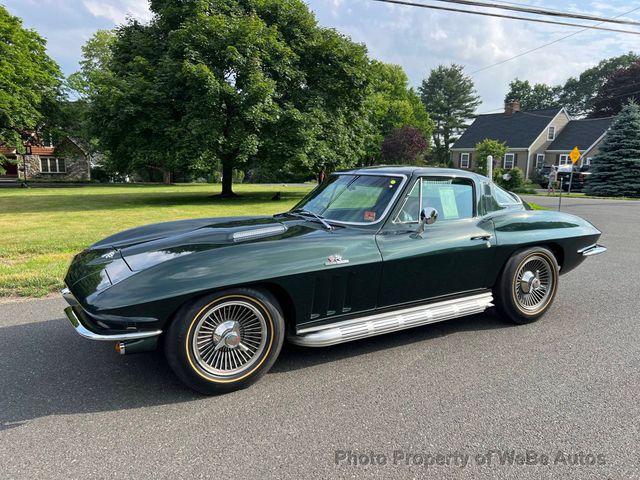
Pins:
x,y
527,285
225,341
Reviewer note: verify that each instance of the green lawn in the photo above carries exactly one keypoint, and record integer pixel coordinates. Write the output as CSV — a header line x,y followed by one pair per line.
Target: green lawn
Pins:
x,y
582,195
42,228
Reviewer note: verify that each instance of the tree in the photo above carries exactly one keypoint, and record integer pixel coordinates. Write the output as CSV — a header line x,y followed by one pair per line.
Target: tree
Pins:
x,y
392,104
208,85
615,170
485,148
618,90
30,82
532,97
450,98
578,93
96,55
404,145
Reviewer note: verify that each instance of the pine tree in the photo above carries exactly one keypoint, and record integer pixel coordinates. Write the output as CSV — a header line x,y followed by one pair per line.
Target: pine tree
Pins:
x,y
616,169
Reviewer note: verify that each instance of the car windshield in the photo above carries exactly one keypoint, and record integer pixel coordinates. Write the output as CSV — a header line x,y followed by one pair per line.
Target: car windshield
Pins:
x,y
350,198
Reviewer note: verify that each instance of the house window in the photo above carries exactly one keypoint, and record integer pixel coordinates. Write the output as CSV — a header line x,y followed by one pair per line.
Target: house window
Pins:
x,y
539,160
551,133
564,159
509,160
52,165
464,160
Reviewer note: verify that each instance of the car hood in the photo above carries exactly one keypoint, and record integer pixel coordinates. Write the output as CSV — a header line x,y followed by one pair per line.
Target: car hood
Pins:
x,y
152,244
119,256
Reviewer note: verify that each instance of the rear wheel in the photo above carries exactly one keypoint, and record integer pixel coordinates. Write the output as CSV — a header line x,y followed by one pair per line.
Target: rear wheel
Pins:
x,y
527,286
225,341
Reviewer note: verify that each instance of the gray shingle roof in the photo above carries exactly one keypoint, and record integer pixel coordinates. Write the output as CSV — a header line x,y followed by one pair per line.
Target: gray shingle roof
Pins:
x,y
518,130
581,134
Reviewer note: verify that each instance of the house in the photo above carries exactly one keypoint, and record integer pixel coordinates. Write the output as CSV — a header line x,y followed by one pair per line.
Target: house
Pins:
x,y
586,134
534,138
69,160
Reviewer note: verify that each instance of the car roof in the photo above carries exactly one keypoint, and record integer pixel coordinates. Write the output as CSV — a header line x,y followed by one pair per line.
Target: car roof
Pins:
x,y
409,171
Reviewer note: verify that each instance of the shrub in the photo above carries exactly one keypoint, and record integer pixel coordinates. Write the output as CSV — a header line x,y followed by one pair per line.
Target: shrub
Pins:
x,y
484,149
509,179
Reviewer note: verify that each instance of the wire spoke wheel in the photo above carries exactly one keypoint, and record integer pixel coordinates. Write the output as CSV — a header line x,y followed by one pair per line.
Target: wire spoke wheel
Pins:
x,y
229,338
533,284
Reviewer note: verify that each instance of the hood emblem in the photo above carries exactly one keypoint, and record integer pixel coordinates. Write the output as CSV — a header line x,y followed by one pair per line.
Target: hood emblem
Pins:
x,y
336,260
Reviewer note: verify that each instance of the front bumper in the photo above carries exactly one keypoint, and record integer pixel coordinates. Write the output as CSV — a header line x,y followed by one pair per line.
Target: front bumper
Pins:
x,y
591,250
84,330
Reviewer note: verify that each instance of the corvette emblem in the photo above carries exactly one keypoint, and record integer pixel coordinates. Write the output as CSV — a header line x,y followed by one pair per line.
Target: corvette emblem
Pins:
x,y
336,260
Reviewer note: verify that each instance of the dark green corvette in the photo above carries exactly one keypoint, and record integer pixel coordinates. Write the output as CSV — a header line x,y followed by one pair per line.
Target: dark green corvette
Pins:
x,y
368,252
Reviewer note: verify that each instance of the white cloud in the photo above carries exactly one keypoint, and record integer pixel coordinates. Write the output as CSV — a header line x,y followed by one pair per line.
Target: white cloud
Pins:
x,y
118,10
420,39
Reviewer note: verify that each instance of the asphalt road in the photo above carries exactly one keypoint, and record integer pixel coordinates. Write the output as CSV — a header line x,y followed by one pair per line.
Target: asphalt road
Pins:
x,y
70,408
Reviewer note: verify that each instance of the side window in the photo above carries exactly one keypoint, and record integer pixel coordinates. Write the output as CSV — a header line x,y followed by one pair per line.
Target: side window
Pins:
x,y
504,198
453,198
411,209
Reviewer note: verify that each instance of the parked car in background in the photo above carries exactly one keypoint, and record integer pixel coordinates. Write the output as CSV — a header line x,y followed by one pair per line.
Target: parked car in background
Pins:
x,y
580,177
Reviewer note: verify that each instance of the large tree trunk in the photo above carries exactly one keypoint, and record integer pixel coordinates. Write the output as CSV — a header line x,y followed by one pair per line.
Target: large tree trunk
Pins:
x,y
227,180
166,177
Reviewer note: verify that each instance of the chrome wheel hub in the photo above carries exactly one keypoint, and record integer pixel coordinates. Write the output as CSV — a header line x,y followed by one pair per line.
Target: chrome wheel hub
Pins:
x,y
229,338
227,334
533,284
530,281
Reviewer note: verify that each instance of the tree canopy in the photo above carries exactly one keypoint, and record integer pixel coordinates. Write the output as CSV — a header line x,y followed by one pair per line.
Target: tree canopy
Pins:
x,y
404,145
615,170
391,105
208,84
577,94
532,97
621,87
30,82
450,98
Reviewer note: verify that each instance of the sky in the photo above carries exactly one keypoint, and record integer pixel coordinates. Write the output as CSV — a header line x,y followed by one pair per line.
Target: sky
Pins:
x,y
418,39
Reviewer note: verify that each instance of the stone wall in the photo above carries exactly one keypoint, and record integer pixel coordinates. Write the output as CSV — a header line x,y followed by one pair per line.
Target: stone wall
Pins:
x,y
76,164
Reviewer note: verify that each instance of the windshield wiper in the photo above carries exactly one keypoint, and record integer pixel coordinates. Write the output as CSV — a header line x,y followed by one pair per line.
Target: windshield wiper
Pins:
x,y
302,212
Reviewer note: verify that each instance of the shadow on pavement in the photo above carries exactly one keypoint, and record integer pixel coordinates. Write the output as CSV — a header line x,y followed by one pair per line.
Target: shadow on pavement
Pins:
x,y
46,369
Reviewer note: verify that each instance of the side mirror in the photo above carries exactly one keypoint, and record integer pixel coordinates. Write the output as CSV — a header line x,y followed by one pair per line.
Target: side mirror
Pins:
x,y
428,216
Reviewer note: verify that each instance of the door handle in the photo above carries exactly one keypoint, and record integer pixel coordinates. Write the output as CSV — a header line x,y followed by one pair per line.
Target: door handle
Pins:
x,y
485,237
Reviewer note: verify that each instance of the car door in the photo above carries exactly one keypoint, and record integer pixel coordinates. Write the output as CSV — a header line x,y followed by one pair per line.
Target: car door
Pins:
x,y
452,255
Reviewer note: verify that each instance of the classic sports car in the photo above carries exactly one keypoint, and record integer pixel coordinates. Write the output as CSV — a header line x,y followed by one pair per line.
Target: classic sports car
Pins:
x,y
368,252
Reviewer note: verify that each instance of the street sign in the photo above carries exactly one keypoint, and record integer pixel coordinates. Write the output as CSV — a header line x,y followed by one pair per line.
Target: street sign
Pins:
x,y
575,155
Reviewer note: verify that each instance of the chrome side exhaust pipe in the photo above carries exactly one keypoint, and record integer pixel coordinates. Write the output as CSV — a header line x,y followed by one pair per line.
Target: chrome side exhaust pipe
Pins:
x,y
127,347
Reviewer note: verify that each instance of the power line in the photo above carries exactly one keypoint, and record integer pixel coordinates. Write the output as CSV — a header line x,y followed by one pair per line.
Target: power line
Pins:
x,y
509,17
540,11
546,44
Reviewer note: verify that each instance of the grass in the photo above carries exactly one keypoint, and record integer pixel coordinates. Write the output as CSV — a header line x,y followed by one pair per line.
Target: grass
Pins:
x,y
42,228
535,206
582,195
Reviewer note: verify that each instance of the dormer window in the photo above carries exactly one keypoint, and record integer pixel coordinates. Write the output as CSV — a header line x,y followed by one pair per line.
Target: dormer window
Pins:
x,y
551,133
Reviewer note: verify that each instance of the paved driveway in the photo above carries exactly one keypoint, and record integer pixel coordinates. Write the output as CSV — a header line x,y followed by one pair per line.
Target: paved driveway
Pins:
x,y
70,408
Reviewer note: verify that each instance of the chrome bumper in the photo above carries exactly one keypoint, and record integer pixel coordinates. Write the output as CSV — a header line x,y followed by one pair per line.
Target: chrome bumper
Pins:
x,y
85,332
591,250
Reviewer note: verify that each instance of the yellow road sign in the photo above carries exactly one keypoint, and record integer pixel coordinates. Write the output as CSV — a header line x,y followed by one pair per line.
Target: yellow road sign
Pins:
x,y
575,155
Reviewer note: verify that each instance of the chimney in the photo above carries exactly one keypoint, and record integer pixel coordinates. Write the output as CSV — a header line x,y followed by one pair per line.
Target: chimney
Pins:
x,y
512,107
